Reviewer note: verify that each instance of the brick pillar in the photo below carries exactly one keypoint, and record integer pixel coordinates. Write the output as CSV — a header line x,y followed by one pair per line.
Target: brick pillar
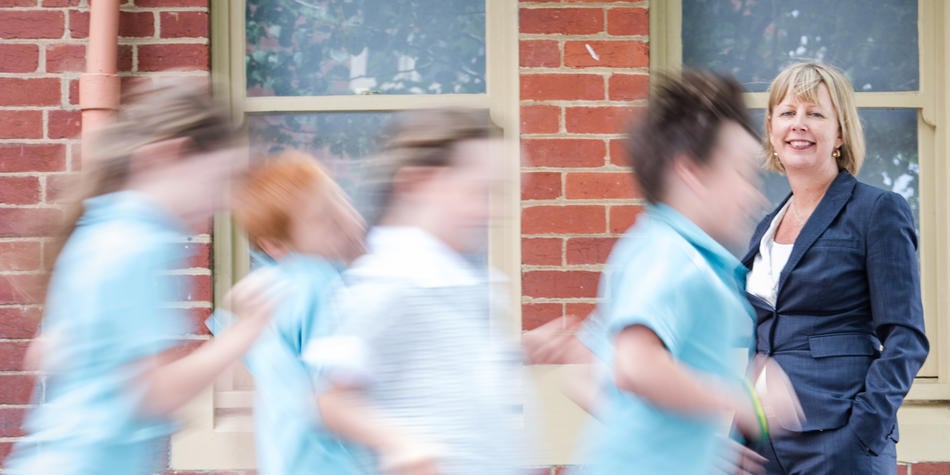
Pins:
x,y
584,73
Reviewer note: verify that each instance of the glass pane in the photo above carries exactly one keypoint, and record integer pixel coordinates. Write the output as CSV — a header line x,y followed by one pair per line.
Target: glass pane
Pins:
x,y
891,161
873,41
337,139
339,47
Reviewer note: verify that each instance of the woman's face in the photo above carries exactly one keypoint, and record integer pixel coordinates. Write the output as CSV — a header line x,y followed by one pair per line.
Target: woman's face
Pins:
x,y
805,134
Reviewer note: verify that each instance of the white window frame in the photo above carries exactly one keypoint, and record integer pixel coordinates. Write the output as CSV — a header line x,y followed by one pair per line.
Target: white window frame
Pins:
x,y
218,431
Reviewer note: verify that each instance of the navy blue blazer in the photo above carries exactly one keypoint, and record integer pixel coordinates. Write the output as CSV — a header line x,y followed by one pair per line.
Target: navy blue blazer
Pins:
x,y
848,324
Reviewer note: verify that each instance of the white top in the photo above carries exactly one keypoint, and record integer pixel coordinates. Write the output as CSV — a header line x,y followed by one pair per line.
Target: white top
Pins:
x,y
763,279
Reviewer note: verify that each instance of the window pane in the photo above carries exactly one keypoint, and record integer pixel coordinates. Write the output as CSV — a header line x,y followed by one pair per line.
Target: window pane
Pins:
x,y
339,47
873,41
337,139
891,161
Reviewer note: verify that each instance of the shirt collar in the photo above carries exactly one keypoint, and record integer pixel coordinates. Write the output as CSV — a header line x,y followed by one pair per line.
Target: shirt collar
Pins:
x,y
717,255
414,254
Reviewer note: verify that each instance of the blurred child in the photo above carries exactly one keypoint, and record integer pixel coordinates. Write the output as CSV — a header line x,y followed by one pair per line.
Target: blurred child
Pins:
x,y
295,213
107,400
672,306
414,373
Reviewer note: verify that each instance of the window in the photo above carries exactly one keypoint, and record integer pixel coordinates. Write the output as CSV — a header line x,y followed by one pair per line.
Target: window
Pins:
x,y
893,52
322,76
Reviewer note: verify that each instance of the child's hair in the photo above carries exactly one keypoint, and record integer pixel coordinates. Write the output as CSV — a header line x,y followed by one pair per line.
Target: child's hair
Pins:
x,y
271,191
683,117
151,112
421,138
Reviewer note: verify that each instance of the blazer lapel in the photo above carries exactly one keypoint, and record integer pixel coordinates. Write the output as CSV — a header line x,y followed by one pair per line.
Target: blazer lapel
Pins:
x,y
835,198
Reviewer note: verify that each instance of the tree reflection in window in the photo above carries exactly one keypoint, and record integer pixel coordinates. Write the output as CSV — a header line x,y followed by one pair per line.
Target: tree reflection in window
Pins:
x,y
333,47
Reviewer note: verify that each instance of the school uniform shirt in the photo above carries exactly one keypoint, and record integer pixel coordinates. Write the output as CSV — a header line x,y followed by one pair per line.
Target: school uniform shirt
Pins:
x,y
106,311
669,276
415,334
288,434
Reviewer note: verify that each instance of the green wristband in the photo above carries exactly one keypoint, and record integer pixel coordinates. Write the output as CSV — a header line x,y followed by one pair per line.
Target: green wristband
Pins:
x,y
759,413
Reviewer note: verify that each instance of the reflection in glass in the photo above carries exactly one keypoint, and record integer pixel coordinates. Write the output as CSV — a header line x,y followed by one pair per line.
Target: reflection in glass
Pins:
x,y
891,161
334,47
337,139
873,42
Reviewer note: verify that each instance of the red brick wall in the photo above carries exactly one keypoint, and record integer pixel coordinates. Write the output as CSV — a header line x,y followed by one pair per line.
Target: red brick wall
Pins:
x,y
42,53
584,73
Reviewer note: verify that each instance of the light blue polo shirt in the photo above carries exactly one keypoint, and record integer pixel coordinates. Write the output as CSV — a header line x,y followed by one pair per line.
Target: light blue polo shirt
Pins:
x,y
668,275
106,310
289,437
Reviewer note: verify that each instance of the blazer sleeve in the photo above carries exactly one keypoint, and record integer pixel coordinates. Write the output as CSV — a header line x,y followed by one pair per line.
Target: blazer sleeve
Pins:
x,y
897,319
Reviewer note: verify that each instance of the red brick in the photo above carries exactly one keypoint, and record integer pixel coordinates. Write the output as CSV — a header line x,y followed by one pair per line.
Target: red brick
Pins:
x,y
29,222
64,123
197,317
61,3
604,185
31,24
540,185
171,56
19,322
74,91
200,253
20,255
595,1
15,388
622,217
533,315
11,419
582,310
930,468
19,190
618,153
902,469
19,124
628,21
11,359
568,153
136,24
588,250
541,251
17,3
628,87
563,219
559,284
191,288
19,58
609,54
123,59
22,288
29,92
184,24
62,58
16,158
60,187
540,119
539,54
541,87
170,3
78,24
561,21
5,447
597,120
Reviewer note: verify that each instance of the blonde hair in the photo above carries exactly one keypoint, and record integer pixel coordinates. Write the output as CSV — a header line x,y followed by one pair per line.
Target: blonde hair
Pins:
x,y
272,191
803,80
151,112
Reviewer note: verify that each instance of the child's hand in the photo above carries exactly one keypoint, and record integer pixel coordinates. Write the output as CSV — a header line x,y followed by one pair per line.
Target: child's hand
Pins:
x,y
554,342
255,296
779,400
411,457
737,459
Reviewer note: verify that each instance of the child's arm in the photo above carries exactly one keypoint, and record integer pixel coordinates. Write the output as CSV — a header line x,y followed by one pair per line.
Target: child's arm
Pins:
x,y
166,386
347,413
643,366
